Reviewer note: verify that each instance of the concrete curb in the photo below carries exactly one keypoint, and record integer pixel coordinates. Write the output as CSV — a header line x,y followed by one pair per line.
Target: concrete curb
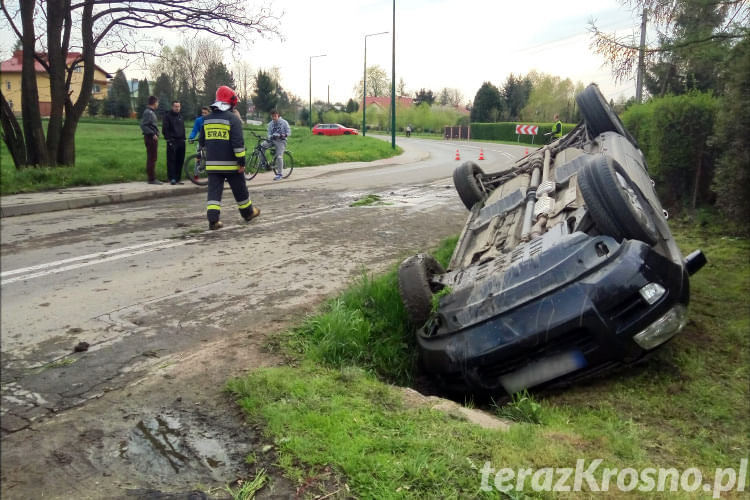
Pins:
x,y
83,197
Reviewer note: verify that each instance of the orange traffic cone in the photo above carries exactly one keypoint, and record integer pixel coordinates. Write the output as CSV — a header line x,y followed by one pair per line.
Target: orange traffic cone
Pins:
x,y
481,154
526,153
458,156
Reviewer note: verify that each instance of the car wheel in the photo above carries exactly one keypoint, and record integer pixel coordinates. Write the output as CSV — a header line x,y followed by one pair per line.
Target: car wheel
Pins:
x,y
466,178
598,116
615,204
320,133
414,285
347,133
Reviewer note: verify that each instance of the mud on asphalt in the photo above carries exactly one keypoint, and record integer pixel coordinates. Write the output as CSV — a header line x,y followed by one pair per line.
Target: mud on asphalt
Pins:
x,y
150,419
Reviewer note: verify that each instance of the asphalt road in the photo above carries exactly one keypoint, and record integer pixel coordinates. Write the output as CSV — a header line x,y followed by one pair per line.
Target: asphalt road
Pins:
x,y
153,293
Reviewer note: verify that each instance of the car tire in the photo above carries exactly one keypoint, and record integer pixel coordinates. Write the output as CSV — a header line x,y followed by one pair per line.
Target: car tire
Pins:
x,y
414,285
466,179
320,133
347,133
615,204
599,117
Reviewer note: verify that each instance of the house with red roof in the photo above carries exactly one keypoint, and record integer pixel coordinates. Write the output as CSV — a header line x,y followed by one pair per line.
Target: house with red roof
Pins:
x,y
10,81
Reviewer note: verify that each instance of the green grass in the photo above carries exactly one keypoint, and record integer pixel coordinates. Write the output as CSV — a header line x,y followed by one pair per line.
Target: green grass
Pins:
x,y
365,326
685,407
112,151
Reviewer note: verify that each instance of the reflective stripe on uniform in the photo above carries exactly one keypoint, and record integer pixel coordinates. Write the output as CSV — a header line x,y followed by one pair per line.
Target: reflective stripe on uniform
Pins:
x,y
239,152
217,120
223,168
213,207
244,204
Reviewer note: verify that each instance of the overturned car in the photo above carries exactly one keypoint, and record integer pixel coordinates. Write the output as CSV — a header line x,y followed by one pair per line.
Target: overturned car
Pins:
x,y
565,267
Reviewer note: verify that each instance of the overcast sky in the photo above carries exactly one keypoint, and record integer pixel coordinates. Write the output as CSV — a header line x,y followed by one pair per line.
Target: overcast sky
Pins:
x,y
439,43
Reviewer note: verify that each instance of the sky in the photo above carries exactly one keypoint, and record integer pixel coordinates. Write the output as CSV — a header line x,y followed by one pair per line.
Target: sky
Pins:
x,y
438,43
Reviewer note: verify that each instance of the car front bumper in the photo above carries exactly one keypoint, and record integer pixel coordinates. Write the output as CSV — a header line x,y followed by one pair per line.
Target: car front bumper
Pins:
x,y
567,313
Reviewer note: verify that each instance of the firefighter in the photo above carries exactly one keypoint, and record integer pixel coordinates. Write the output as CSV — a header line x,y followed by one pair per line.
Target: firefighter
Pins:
x,y
221,136
557,128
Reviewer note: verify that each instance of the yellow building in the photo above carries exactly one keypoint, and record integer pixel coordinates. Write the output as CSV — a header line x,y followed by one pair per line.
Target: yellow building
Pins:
x,y
10,79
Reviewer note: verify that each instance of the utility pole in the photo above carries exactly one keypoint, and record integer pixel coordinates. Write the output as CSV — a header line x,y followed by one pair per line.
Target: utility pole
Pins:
x,y
641,56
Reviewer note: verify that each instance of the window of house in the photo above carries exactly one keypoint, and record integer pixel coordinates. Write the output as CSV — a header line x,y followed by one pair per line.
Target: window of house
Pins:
x,y
10,103
96,89
77,69
7,84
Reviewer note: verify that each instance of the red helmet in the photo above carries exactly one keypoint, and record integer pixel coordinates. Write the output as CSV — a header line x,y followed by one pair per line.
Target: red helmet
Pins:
x,y
226,95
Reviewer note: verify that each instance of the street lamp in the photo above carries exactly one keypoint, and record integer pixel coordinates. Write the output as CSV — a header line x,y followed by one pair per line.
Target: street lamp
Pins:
x,y
364,86
311,58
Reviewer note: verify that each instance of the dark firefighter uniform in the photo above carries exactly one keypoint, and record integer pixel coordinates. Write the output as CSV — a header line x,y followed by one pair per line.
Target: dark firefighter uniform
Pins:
x,y
221,136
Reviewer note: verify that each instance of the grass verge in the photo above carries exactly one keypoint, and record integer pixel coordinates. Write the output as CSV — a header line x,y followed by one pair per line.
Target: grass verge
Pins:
x,y
685,407
112,151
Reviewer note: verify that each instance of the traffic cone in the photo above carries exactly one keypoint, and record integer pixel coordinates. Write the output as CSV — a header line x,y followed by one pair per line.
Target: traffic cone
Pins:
x,y
458,156
481,154
526,153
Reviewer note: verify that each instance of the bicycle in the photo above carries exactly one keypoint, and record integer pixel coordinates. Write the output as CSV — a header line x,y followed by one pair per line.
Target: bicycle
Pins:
x,y
258,160
195,168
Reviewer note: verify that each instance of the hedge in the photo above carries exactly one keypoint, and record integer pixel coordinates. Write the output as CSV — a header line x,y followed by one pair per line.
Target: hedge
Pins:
x,y
506,131
673,133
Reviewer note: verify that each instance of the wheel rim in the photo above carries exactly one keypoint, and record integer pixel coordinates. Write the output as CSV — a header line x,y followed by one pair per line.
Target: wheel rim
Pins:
x,y
635,202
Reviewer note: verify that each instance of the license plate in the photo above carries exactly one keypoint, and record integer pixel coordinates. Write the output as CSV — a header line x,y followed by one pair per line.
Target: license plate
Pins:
x,y
543,370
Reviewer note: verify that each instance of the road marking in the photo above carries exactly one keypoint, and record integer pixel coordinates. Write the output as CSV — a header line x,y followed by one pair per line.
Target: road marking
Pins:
x,y
96,255
100,258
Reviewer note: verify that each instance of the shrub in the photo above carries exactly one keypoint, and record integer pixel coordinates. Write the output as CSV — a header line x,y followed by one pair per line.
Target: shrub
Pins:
x,y
673,133
506,131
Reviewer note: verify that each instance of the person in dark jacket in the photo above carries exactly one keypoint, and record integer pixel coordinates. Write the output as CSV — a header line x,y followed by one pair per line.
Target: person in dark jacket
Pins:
x,y
173,129
222,140
150,131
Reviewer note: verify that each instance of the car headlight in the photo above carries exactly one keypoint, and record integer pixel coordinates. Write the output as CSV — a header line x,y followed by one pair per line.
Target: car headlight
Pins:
x,y
663,328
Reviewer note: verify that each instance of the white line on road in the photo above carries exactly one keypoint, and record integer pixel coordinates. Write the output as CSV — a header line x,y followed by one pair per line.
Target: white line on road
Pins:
x,y
95,260
96,255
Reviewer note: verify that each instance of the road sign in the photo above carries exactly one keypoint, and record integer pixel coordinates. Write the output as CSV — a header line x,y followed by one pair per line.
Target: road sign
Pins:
x,y
527,129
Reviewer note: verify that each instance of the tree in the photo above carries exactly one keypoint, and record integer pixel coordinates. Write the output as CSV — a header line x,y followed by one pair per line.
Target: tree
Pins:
x,y
93,28
94,107
217,74
243,75
424,96
401,87
378,83
265,98
691,34
12,134
450,97
163,90
516,92
551,95
352,106
733,121
488,104
119,96
143,95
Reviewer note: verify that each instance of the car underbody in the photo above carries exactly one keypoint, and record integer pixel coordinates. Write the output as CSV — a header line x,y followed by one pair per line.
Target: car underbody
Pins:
x,y
566,266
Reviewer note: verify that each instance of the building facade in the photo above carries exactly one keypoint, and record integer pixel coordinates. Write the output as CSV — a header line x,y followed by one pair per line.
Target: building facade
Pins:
x,y
10,81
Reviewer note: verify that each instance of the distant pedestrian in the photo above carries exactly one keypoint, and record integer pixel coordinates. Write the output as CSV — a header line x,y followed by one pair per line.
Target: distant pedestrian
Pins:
x,y
557,128
408,131
278,131
150,129
198,125
222,139
173,129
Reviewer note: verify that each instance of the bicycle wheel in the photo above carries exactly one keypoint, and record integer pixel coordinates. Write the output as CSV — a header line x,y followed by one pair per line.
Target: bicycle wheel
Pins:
x,y
195,169
288,165
252,167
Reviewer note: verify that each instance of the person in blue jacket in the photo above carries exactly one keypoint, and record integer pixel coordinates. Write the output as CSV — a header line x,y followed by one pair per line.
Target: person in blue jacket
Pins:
x,y
205,110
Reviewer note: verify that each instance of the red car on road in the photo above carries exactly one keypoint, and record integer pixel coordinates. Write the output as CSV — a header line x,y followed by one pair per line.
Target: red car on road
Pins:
x,y
333,129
